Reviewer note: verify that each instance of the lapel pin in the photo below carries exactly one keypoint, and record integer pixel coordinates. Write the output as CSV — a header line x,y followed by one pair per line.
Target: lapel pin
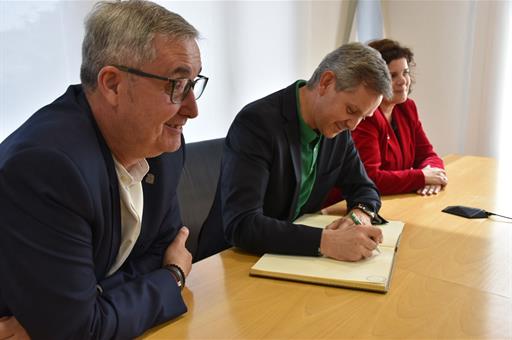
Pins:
x,y
150,178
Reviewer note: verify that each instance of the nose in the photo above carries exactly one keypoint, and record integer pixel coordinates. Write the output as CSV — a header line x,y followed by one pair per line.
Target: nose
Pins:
x,y
189,106
400,80
353,123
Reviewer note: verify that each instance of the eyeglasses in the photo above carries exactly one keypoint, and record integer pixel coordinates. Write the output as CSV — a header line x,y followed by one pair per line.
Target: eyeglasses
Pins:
x,y
178,89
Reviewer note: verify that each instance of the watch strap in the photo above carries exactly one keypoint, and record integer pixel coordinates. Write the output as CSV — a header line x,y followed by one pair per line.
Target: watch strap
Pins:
x,y
366,209
178,274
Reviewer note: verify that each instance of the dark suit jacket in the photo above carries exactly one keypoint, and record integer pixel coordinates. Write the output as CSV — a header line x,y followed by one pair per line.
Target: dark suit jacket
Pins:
x,y
60,231
260,181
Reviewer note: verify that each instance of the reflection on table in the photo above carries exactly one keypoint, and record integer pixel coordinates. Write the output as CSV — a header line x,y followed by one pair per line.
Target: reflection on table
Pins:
x,y
452,279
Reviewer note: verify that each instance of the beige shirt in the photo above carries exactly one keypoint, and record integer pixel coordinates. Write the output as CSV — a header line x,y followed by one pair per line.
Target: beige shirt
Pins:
x,y
132,205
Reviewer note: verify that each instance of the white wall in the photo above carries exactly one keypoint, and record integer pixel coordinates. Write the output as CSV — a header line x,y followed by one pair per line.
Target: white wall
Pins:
x,y
39,55
249,49
459,49
438,32
252,48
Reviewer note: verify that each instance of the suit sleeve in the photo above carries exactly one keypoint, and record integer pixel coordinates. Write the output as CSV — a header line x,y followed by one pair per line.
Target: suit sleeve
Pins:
x,y
389,182
246,165
354,182
137,265
46,258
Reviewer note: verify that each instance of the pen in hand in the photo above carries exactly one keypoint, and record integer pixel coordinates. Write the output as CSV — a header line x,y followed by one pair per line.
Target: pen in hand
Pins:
x,y
357,221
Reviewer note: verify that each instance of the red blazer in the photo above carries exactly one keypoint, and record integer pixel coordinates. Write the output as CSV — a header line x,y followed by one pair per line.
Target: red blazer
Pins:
x,y
395,164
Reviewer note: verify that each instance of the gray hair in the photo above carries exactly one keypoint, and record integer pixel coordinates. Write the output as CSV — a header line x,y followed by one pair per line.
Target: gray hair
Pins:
x,y
354,64
122,32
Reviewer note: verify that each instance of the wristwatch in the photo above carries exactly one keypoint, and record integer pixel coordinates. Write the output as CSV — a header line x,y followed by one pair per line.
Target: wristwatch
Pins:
x,y
366,209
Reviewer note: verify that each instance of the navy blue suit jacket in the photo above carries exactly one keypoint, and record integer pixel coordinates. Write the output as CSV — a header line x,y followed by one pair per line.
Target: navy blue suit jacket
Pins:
x,y
260,181
60,231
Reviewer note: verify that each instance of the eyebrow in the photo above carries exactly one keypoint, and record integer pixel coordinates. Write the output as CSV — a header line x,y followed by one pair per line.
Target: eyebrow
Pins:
x,y
183,71
353,108
395,72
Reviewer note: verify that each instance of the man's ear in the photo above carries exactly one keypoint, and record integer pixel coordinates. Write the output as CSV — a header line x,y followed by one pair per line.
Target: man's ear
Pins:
x,y
109,79
327,79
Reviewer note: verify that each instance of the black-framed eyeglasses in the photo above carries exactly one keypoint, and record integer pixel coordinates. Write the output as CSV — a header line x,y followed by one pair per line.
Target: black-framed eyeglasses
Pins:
x,y
178,89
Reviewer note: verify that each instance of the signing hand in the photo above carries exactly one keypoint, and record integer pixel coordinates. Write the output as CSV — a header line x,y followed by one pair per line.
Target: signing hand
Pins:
x,y
177,254
343,240
11,329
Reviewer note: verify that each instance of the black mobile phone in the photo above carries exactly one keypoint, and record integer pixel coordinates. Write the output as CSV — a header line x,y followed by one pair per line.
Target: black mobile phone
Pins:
x,y
466,212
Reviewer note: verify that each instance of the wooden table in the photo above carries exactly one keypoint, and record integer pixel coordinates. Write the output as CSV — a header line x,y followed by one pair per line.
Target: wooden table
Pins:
x,y
452,279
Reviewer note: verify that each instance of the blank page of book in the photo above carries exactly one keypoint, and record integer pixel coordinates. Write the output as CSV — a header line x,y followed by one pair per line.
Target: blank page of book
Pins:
x,y
373,273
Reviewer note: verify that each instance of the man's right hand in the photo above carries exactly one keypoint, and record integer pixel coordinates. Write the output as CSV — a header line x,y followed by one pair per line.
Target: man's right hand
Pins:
x,y
343,240
177,254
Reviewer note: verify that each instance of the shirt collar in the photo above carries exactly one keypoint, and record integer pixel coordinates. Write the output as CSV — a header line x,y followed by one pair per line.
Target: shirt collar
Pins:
x,y
134,175
308,136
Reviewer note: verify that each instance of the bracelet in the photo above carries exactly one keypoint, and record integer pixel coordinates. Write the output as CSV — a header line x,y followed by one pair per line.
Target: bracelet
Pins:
x,y
178,274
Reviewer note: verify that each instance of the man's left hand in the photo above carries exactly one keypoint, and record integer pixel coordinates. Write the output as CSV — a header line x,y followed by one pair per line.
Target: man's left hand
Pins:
x,y
176,253
11,329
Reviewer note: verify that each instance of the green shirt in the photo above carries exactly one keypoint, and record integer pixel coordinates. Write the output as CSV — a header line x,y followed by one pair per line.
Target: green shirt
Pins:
x,y
309,146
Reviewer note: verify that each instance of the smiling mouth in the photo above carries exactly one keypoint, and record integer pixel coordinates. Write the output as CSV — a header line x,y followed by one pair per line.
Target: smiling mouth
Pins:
x,y
177,127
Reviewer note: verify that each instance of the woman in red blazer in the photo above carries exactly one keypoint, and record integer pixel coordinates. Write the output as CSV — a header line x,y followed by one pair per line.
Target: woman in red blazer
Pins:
x,y
392,143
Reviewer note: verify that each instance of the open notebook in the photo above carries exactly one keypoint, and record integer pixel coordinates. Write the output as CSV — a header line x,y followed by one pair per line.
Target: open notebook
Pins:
x,y
373,273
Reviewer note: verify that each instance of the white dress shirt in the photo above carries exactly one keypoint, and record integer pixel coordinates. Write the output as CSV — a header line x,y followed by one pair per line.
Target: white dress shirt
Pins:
x,y
132,205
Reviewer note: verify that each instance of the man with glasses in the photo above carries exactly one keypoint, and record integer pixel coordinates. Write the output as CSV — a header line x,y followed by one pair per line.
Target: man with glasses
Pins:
x,y
282,155
91,241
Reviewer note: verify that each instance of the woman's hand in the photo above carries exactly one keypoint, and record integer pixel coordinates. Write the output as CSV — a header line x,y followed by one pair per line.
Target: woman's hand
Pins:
x,y
435,181
435,176
428,190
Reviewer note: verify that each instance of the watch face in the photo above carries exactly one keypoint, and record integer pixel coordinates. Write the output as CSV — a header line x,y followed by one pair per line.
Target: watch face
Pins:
x,y
366,209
